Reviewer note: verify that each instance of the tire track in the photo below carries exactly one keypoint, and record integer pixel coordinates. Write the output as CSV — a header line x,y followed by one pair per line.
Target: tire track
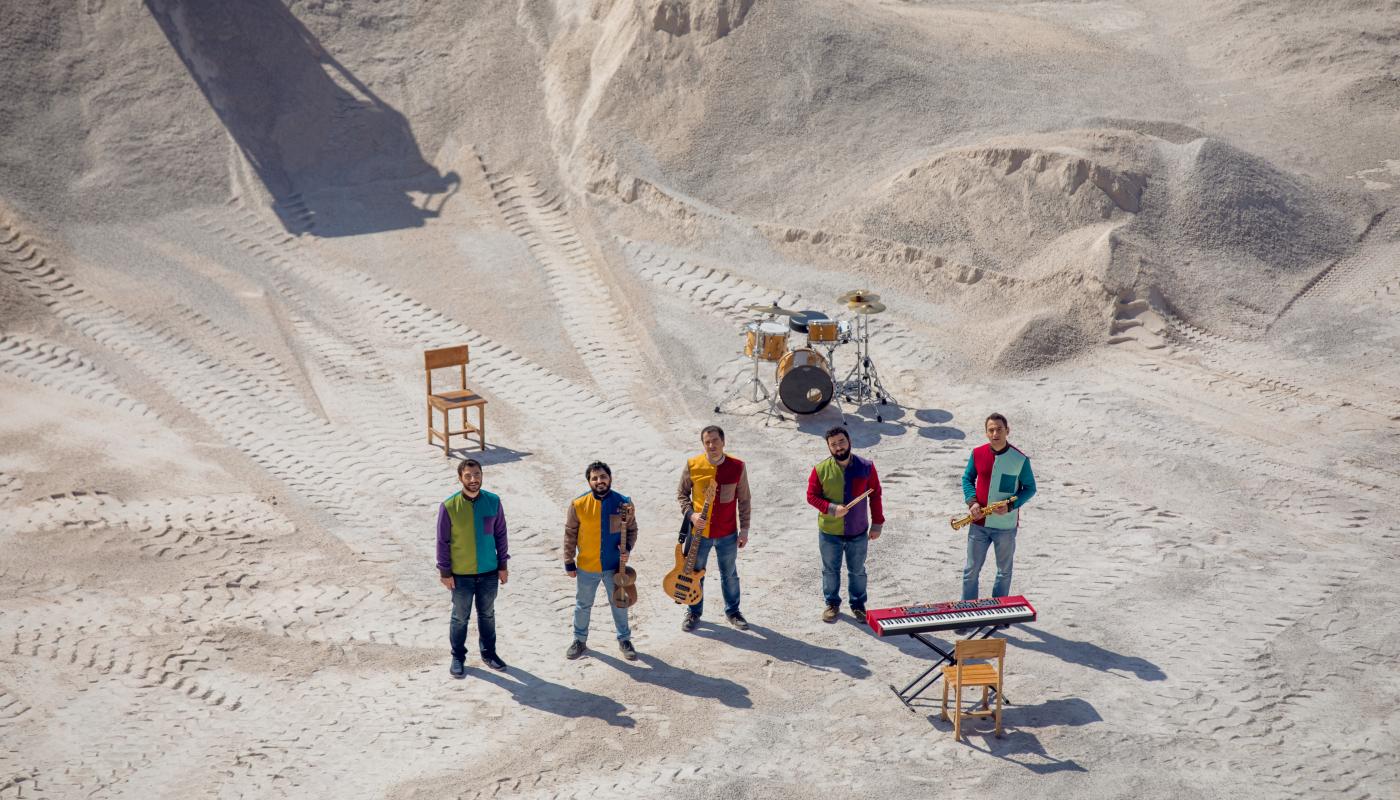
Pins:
x,y
591,319
54,366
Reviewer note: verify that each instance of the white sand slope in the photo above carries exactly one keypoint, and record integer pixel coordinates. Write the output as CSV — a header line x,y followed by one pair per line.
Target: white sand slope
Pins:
x,y
1162,241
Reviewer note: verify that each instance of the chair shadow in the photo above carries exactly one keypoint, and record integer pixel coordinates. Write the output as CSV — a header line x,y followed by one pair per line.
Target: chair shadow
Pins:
x,y
337,159
1086,654
785,648
1017,745
493,454
656,672
528,689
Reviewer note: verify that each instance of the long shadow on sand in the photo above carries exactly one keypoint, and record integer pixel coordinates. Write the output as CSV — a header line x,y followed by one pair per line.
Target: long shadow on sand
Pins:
x,y
1085,654
785,648
868,424
656,672
531,690
493,454
336,159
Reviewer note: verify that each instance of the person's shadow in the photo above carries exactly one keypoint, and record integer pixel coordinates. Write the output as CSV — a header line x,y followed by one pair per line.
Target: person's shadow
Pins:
x,y
336,158
656,672
784,648
531,690
1085,654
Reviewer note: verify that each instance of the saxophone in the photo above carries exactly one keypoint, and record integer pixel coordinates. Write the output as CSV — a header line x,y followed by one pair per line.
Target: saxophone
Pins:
x,y
999,507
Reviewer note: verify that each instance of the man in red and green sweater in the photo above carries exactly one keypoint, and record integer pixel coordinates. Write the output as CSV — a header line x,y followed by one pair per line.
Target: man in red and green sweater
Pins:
x,y
844,530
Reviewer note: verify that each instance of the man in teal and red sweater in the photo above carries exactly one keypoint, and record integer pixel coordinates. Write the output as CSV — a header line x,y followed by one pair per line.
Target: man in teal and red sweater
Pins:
x,y
995,471
472,551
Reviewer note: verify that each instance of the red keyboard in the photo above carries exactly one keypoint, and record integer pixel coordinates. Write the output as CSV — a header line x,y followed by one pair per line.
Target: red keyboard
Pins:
x,y
950,614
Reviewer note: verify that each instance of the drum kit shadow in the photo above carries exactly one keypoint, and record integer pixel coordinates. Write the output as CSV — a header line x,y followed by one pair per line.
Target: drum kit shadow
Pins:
x,y
805,377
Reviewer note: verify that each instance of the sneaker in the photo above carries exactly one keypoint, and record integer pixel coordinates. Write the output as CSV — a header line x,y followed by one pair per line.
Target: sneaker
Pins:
x,y
458,669
829,614
737,620
493,661
628,651
688,624
575,650
858,612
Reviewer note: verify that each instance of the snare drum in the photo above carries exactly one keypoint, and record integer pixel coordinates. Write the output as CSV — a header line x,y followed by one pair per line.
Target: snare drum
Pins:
x,y
768,340
822,331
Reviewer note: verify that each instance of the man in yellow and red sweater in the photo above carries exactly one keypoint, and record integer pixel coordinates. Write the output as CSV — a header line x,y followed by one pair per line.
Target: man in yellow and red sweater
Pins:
x,y
728,528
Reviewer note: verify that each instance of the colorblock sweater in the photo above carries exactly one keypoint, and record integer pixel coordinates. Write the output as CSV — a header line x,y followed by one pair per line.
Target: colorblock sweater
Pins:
x,y
831,485
733,503
471,535
588,542
991,476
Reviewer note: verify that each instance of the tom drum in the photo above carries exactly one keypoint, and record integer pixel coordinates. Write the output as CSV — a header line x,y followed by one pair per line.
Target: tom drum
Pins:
x,y
769,340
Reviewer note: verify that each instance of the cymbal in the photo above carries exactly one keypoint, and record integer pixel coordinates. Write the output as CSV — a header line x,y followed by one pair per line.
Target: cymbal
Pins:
x,y
858,296
867,308
771,308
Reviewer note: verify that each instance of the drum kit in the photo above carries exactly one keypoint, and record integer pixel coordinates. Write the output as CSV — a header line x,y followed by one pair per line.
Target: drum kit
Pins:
x,y
805,377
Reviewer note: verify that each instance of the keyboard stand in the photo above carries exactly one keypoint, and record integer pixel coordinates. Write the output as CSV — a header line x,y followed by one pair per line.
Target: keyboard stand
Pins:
x,y
945,657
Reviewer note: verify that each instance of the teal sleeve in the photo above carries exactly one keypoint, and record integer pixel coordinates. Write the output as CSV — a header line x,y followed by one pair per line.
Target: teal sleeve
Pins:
x,y
1027,480
970,481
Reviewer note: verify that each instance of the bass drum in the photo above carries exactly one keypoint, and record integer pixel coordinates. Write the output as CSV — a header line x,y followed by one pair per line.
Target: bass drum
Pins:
x,y
804,381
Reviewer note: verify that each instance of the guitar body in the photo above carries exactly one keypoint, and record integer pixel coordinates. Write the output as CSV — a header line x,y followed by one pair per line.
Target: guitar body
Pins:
x,y
624,594
683,584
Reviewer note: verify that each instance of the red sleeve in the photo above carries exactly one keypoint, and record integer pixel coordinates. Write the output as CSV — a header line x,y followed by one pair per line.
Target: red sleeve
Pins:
x,y
814,493
877,502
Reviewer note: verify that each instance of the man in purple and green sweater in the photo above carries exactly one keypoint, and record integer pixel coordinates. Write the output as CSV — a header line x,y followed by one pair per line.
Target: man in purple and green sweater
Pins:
x,y
471,559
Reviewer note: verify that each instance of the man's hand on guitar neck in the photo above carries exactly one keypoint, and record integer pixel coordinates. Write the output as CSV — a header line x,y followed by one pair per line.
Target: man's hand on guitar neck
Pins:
x,y
696,521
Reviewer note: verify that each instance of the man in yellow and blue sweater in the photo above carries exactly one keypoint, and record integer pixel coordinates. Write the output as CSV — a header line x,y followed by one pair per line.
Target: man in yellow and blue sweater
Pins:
x,y
472,551
599,533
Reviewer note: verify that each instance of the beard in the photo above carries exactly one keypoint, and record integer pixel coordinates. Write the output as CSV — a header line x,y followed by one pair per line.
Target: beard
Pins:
x,y
842,455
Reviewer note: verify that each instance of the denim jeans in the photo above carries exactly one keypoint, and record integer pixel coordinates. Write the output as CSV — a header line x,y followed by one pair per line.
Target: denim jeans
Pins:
x,y
727,551
979,538
481,589
854,548
583,604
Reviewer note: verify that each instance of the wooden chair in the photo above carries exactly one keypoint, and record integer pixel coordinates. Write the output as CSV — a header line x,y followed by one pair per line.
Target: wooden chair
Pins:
x,y
964,674
447,401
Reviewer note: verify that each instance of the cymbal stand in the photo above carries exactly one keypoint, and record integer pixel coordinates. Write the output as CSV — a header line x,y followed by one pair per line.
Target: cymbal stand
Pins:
x,y
862,383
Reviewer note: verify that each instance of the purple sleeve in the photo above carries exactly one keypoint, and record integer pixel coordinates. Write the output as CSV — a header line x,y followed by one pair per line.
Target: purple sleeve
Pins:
x,y
444,542
502,545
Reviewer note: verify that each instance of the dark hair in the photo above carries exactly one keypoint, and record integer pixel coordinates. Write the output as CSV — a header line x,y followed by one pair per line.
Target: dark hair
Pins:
x,y
470,462
588,472
839,430
712,429
998,418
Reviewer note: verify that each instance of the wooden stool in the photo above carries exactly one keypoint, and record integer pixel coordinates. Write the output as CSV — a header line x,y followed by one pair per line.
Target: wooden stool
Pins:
x,y
463,398
985,675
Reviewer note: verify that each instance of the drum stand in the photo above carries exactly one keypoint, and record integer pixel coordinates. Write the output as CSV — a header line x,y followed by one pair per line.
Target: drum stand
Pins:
x,y
862,383
756,387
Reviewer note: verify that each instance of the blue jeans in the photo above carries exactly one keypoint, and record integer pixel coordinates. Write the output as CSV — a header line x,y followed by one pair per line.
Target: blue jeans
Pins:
x,y
727,550
979,538
481,589
583,604
854,548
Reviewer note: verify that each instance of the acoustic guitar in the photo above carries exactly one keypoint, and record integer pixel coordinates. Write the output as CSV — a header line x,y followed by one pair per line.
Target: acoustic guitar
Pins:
x,y
682,584
624,594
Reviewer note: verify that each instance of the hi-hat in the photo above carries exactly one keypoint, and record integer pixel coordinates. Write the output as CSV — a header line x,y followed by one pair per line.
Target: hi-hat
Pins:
x,y
771,308
855,296
867,308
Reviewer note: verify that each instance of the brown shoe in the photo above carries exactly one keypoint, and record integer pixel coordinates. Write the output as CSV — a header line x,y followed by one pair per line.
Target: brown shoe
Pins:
x,y
830,614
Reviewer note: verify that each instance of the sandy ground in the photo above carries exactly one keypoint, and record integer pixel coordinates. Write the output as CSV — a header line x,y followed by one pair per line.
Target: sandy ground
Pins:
x,y
1178,280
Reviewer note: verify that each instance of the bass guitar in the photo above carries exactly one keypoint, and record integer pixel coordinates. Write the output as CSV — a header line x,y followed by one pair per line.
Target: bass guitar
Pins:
x,y
682,584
